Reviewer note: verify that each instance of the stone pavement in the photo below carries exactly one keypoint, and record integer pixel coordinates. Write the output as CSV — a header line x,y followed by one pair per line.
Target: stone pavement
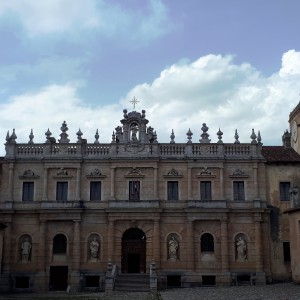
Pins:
x,y
286,291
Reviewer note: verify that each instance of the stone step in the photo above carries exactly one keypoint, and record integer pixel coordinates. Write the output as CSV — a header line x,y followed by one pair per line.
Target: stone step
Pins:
x,y
132,282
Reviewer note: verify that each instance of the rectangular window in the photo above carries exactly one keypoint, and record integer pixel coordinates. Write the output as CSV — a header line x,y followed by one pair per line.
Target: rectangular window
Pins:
x,y
284,188
172,190
238,191
95,190
28,189
286,252
134,190
205,190
22,282
62,191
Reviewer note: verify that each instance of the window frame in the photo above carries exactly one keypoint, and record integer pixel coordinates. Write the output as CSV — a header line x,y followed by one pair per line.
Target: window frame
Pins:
x,y
238,187
134,190
172,190
28,191
284,190
286,251
95,190
205,190
62,189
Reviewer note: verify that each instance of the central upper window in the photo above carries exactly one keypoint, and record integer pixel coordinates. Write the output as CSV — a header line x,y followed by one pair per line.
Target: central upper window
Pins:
x,y
134,190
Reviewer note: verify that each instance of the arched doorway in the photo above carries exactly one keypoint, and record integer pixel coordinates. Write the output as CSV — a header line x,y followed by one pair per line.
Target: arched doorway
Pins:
x,y
134,251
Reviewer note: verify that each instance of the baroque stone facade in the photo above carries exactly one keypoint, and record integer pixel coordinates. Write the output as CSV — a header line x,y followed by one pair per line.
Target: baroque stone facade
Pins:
x,y
199,210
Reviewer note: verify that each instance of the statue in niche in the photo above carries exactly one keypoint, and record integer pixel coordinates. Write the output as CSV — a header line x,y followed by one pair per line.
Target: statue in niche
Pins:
x,y
241,249
134,130
94,250
173,247
294,197
26,250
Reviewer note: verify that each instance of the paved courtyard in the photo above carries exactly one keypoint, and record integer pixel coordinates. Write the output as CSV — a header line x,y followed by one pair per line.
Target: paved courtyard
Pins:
x,y
286,291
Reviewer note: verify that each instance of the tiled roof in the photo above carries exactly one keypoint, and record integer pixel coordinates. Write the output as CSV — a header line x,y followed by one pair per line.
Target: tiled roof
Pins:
x,y
280,154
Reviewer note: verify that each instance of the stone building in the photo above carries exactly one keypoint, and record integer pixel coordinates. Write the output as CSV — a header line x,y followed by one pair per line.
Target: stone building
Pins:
x,y
292,213
197,209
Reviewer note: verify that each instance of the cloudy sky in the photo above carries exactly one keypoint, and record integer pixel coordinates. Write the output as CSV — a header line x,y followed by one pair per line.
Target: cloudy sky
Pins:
x,y
231,64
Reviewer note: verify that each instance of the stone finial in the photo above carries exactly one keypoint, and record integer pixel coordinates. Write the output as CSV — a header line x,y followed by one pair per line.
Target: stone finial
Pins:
x,y
64,136
79,136
31,136
286,139
253,137
143,113
125,115
172,136
109,266
189,136
259,139
219,134
48,134
236,137
113,137
12,138
204,135
7,137
96,137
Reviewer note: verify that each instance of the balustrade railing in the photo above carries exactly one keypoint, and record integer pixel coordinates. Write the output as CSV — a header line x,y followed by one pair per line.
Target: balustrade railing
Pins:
x,y
148,150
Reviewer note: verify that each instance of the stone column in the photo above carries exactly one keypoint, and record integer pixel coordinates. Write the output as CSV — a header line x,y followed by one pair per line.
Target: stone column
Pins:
x,y
258,246
10,181
156,243
75,273
155,184
255,182
7,249
45,184
42,257
6,260
76,246
190,252
112,183
224,246
222,196
78,182
110,241
190,196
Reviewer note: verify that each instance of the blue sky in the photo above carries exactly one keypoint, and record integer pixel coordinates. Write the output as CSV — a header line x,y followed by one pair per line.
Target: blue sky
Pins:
x,y
231,64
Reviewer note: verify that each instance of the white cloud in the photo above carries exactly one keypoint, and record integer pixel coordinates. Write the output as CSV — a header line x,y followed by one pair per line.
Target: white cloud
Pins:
x,y
145,22
290,63
216,91
212,90
49,107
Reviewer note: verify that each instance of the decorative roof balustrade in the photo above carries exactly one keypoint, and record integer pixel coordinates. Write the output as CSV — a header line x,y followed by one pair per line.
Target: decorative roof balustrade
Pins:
x,y
132,140
115,150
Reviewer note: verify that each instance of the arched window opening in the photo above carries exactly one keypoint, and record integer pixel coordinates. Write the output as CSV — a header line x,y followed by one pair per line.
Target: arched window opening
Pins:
x,y
59,244
207,243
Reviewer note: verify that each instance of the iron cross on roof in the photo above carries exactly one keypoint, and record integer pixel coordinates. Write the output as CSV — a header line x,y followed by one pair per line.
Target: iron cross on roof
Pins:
x,y
134,101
